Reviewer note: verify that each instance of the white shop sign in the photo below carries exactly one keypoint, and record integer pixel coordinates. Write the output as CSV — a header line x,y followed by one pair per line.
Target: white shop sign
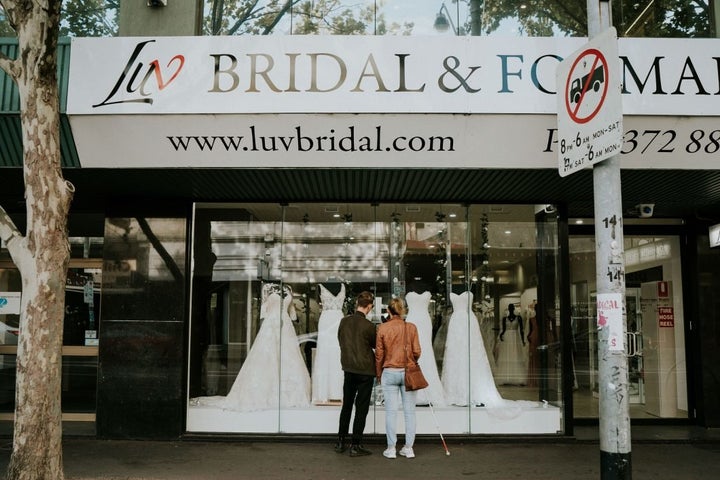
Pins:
x,y
373,74
374,141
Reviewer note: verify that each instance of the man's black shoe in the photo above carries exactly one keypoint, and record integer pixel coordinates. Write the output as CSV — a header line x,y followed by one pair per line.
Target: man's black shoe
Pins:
x,y
340,447
359,451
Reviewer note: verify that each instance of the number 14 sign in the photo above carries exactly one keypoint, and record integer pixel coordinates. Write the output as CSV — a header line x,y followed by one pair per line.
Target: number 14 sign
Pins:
x,y
589,107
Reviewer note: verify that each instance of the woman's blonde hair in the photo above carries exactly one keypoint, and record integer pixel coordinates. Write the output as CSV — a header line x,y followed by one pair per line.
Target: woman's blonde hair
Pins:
x,y
397,306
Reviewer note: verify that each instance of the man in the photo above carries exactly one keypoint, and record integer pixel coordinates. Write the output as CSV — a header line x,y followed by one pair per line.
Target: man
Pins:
x,y
356,335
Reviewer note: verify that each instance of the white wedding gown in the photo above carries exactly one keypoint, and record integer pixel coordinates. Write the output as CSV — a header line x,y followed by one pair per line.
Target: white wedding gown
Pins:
x,y
327,374
467,377
274,373
419,315
512,366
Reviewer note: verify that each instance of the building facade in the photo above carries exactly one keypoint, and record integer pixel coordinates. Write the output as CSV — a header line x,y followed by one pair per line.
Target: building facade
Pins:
x,y
234,194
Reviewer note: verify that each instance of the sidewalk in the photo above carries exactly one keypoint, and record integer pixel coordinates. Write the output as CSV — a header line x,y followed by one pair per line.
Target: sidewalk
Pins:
x,y
576,459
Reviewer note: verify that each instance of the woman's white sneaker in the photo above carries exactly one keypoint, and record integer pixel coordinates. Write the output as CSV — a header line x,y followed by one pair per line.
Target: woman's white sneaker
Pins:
x,y
390,453
407,452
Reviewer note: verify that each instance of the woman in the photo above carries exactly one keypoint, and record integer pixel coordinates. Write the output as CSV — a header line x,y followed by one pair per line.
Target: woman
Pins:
x,y
391,357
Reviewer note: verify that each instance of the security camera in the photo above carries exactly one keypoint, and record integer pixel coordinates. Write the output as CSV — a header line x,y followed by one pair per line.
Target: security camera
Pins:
x,y
157,3
645,210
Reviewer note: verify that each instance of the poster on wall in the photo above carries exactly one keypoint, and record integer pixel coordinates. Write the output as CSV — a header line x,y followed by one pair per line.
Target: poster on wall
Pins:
x,y
609,316
10,303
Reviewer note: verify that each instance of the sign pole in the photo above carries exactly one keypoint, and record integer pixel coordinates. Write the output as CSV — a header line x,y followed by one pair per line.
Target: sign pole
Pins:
x,y
614,412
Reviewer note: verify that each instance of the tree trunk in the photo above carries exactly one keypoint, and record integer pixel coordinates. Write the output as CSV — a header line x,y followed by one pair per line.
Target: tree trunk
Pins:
x,y
42,254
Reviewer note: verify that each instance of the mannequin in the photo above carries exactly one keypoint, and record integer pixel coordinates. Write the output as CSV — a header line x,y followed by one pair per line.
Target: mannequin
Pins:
x,y
512,360
533,339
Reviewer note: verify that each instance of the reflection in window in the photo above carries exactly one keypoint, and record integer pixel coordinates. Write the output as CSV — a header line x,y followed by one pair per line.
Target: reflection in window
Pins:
x,y
470,275
527,18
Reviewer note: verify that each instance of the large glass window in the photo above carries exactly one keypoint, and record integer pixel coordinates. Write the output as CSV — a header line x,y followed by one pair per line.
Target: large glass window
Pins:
x,y
80,328
655,326
79,18
271,282
528,18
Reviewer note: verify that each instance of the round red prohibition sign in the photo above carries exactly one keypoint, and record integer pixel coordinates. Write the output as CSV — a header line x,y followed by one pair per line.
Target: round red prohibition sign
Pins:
x,y
577,87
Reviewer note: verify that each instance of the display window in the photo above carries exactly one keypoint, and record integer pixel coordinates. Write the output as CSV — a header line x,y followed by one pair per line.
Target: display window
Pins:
x,y
271,283
80,329
654,327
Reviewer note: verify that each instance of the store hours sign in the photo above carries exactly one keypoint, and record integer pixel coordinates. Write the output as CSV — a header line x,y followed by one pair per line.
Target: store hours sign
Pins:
x,y
589,105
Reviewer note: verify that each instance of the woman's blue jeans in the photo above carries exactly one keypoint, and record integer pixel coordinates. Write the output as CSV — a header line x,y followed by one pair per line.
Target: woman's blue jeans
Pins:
x,y
393,386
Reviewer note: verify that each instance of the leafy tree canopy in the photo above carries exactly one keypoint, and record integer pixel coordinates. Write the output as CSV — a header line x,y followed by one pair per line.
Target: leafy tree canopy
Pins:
x,y
80,18
304,17
632,18
89,18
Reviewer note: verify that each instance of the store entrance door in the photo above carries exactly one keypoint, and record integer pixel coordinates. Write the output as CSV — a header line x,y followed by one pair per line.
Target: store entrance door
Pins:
x,y
634,346
655,342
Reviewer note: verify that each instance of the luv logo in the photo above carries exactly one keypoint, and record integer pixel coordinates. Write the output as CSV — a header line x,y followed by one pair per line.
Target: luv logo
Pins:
x,y
137,78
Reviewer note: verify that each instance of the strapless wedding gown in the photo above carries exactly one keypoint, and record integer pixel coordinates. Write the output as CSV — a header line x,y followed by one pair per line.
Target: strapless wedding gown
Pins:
x,y
419,315
467,376
327,375
274,369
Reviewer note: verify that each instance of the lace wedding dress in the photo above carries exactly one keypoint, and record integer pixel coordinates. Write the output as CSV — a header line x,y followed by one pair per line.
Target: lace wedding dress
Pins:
x,y
274,373
327,374
512,367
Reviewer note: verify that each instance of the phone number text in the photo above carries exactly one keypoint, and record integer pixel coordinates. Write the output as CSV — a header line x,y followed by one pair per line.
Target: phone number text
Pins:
x,y
659,141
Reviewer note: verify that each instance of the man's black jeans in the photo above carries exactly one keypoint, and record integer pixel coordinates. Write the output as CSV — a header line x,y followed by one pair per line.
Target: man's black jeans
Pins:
x,y
357,390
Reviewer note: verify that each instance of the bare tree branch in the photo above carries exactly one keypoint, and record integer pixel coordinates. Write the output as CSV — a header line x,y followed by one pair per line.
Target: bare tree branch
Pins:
x,y
286,7
11,236
9,65
250,11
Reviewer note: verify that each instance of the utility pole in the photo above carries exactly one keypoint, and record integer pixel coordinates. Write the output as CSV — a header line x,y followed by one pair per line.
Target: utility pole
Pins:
x,y
615,451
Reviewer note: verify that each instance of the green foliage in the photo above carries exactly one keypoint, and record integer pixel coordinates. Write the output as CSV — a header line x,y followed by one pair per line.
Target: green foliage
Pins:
x,y
5,28
237,17
306,17
79,18
89,18
664,18
632,18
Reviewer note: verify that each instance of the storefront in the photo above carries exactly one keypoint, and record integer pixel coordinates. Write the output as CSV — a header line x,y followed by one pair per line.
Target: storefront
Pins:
x,y
238,193
461,269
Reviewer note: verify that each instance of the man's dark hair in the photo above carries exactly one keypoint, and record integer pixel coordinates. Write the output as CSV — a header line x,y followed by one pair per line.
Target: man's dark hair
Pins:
x,y
365,298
